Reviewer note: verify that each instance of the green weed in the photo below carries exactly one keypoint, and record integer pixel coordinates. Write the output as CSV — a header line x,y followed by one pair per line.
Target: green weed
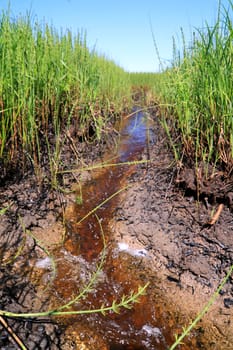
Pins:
x,y
48,81
197,93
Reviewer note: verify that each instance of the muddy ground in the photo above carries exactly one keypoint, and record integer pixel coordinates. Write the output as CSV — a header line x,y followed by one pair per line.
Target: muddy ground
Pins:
x,y
160,213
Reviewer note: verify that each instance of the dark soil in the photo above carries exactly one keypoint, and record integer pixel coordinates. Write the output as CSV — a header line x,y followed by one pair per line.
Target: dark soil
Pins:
x,y
165,211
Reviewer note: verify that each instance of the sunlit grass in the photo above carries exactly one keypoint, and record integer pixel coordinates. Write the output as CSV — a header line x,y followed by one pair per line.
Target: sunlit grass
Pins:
x,y
49,78
197,93
148,85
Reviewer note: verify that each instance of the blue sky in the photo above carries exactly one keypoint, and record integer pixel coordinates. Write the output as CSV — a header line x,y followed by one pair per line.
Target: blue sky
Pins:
x,y
121,29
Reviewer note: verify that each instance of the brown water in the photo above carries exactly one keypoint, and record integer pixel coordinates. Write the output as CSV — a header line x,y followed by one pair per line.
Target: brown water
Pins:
x,y
151,324
104,184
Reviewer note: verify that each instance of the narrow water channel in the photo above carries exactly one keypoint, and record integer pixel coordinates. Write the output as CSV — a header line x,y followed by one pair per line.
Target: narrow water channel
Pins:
x,y
149,325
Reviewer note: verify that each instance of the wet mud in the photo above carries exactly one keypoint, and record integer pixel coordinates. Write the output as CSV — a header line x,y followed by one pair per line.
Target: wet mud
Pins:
x,y
154,231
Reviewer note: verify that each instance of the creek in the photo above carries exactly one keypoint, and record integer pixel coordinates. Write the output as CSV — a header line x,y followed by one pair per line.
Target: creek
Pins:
x,y
150,324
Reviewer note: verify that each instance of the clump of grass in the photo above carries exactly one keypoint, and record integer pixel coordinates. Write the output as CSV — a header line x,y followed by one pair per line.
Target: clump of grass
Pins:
x,y
145,87
48,80
197,93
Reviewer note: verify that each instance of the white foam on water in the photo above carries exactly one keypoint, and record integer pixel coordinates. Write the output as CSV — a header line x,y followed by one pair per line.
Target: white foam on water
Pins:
x,y
44,263
124,247
152,331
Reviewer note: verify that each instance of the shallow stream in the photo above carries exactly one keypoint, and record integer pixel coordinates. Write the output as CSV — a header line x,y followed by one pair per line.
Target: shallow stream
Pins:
x,y
150,324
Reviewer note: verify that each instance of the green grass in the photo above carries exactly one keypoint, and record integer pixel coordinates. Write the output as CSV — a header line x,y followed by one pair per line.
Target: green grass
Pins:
x,y
47,80
144,79
147,85
50,78
196,93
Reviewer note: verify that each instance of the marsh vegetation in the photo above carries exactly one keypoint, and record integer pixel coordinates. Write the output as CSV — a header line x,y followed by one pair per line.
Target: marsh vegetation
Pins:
x,y
60,102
